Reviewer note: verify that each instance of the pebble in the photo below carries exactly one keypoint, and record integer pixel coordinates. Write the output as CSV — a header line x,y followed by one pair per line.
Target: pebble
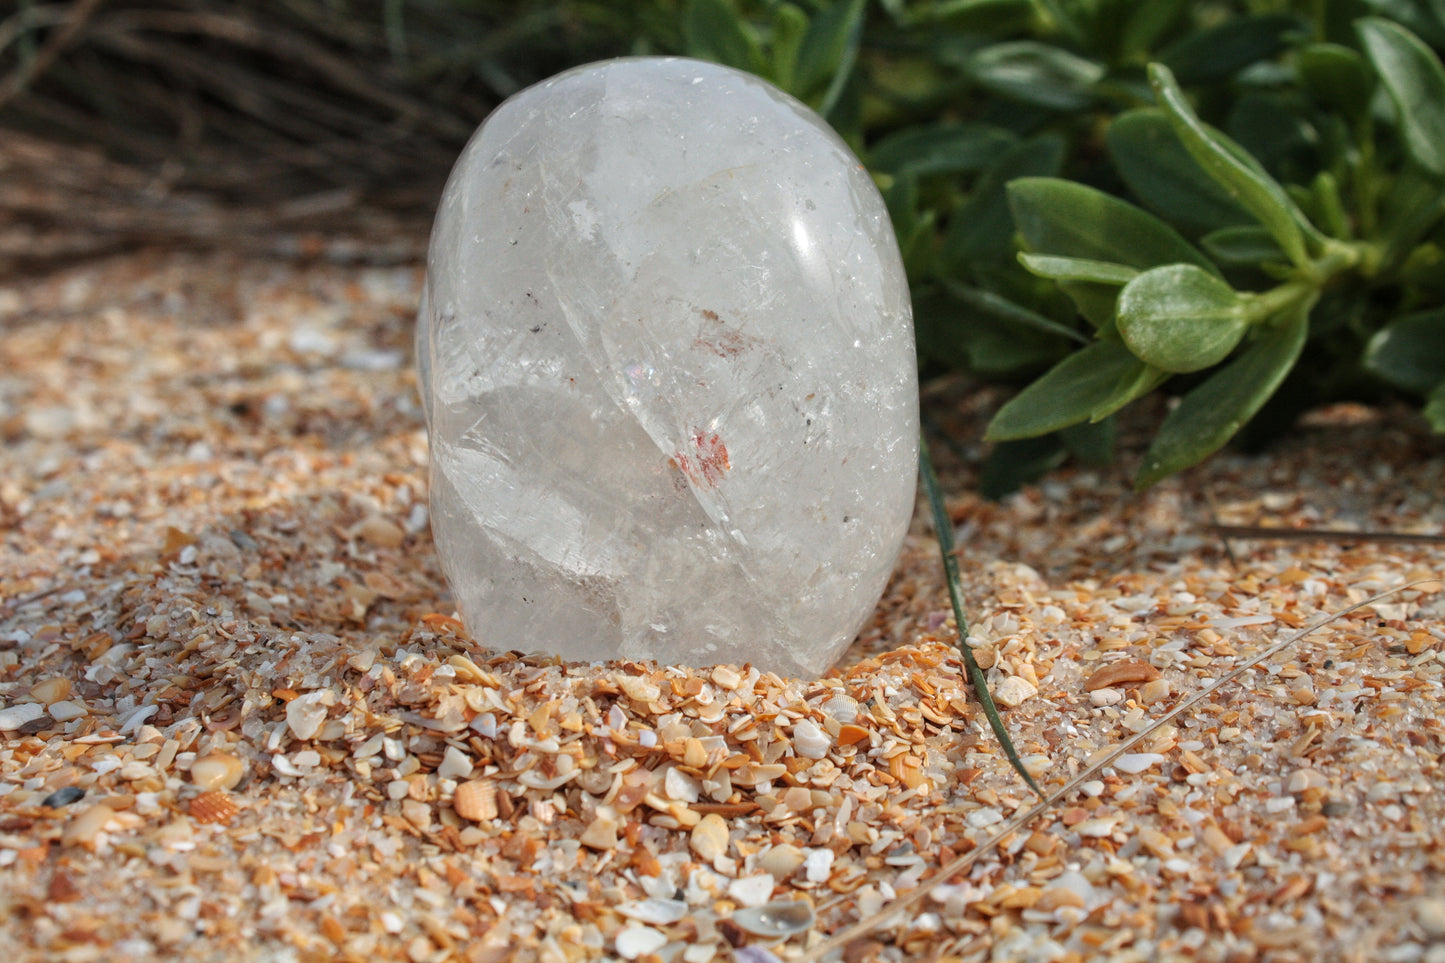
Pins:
x,y
1106,697
1302,779
634,941
21,715
1154,691
86,826
51,690
657,911
1014,691
381,532
1430,914
217,770
63,797
818,865
454,765
751,890
1098,827
417,813
601,833
66,710
710,838
307,713
1137,762
781,861
779,919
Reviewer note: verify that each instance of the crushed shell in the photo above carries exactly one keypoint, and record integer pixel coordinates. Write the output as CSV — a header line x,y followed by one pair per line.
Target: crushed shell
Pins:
x,y
217,545
779,919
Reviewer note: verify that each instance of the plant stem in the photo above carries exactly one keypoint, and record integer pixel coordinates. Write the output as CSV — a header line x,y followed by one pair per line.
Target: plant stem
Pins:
x,y
943,529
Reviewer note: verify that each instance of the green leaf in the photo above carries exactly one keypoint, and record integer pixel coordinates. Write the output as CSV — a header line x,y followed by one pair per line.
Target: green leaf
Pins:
x,y
1091,383
980,337
1014,464
828,50
940,149
1409,352
1434,410
990,17
982,228
1003,308
1219,52
790,23
1180,318
1245,245
714,30
1336,77
1071,220
1234,170
1095,302
1037,73
1165,177
1210,414
1415,81
1092,442
1077,269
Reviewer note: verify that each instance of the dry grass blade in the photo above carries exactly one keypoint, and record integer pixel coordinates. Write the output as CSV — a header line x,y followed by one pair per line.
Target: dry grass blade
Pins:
x,y
879,919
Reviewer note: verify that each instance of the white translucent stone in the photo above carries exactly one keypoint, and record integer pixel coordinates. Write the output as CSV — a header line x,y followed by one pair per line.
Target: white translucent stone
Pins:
x,y
666,356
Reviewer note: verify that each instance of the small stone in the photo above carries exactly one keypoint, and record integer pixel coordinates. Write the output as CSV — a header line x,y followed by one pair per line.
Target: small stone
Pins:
x,y
381,532
51,690
1430,914
1117,674
776,920
601,833
63,797
709,838
65,710
1098,827
1303,779
454,764
417,813
1106,697
1014,691
633,941
660,912
781,861
217,770
305,714
751,890
22,715
87,826
666,357
1136,762
1156,690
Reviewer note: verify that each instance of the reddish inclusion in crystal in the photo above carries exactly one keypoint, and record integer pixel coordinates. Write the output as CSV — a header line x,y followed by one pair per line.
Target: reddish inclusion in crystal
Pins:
x,y
709,459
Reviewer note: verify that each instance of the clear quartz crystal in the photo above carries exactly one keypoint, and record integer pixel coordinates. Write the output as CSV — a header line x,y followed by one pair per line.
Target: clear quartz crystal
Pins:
x,y
666,356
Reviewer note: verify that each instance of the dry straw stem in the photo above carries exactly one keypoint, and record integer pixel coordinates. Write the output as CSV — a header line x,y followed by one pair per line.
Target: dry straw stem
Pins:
x,y
883,917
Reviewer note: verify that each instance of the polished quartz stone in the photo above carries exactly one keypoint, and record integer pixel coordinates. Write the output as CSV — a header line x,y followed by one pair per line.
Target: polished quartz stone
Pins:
x,y
666,356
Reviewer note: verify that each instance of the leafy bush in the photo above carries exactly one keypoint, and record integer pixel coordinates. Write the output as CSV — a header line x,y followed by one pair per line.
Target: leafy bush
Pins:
x,y
1240,204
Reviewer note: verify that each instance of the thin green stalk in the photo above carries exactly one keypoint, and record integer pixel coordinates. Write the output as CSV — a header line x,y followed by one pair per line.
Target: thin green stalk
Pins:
x,y
943,528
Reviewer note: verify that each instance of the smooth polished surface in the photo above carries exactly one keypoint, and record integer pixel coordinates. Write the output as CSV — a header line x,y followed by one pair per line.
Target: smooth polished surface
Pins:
x,y
666,355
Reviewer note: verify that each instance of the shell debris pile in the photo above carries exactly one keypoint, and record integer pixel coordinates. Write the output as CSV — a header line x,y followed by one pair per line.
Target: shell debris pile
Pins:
x,y
238,720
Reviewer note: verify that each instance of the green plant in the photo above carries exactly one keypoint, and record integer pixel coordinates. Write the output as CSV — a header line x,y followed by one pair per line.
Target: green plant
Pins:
x,y
1237,203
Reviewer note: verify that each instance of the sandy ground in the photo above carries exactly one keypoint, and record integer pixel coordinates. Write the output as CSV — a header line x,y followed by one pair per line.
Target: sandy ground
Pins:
x,y
238,720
